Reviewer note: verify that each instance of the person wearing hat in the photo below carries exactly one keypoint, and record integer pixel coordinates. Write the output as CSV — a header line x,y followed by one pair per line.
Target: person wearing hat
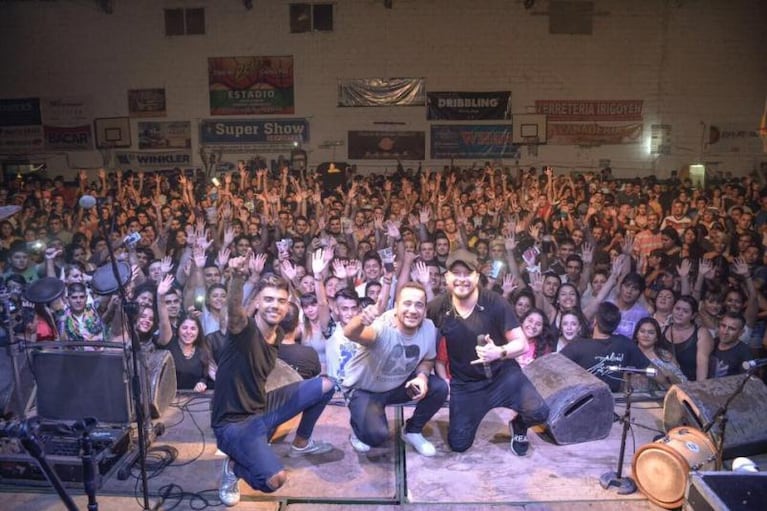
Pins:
x,y
476,326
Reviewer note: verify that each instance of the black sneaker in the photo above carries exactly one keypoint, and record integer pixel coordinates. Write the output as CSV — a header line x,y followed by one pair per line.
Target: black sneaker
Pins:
x,y
519,442
520,445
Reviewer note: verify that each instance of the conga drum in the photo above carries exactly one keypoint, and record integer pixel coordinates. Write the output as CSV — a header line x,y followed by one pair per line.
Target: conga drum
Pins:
x,y
661,469
283,375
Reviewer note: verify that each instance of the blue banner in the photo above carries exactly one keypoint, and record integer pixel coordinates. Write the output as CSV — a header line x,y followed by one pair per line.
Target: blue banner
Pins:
x,y
250,131
20,112
468,106
475,141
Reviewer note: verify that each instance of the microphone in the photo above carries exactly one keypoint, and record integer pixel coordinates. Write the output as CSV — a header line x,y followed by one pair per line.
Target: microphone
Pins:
x,y
753,364
649,372
482,340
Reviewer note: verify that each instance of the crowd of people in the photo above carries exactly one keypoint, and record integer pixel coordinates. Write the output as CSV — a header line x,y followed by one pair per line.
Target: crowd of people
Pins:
x,y
389,289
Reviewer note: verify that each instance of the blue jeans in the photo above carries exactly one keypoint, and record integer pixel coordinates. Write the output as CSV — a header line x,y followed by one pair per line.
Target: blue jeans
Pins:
x,y
470,402
368,416
247,442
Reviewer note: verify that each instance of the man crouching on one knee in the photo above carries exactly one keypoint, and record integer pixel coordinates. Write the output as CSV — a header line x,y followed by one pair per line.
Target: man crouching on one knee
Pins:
x,y
393,365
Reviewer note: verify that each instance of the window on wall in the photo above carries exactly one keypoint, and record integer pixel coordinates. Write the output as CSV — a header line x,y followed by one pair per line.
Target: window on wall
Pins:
x,y
185,21
307,17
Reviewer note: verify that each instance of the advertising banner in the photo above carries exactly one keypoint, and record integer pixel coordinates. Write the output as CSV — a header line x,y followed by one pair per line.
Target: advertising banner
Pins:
x,y
382,92
21,139
387,145
68,138
560,133
20,112
69,111
146,102
251,131
474,141
729,138
165,135
587,110
468,106
250,85
155,160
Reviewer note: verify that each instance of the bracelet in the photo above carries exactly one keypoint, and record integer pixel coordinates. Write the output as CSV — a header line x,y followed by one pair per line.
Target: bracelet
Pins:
x,y
386,281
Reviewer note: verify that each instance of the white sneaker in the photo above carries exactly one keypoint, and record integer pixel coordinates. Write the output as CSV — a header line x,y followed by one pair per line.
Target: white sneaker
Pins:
x,y
358,444
229,491
419,443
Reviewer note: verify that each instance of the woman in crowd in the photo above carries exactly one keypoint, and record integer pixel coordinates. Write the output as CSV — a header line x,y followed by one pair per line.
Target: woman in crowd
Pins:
x,y
541,339
573,326
690,344
190,352
647,336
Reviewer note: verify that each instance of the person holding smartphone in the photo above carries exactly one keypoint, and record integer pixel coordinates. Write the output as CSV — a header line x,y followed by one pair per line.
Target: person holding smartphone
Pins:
x,y
393,365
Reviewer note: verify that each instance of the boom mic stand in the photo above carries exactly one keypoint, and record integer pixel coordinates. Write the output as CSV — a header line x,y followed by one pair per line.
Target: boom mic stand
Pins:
x,y
625,485
9,324
131,311
26,432
720,416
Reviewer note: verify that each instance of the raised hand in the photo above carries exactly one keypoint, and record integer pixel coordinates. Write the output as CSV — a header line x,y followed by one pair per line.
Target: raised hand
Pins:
x,y
510,241
223,257
509,284
740,266
166,264
706,268
288,269
587,256
228,236
684,268
536,282
320,261
420,273
339,269
165,284
256,264
198,256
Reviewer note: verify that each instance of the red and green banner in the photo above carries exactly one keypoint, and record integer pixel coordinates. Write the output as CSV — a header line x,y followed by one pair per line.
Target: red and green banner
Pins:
x,y
574,133
251,85
590,110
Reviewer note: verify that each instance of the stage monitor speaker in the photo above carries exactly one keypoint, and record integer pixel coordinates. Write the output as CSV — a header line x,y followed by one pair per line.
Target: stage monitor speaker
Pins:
x,y
72,385
581,406
162,381
695,404
726,491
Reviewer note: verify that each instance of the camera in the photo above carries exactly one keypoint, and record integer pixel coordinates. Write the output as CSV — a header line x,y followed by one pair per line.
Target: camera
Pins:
x,y
37,246
199,301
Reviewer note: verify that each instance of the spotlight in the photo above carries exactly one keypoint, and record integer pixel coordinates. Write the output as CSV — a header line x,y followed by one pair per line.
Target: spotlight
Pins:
x,y
528,4
388,3
248,4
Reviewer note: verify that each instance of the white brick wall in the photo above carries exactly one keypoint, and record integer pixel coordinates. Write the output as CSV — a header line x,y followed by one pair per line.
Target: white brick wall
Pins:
x,y
693,62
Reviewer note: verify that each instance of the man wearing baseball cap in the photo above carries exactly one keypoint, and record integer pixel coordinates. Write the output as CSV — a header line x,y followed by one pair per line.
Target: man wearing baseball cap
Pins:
x,y
476,327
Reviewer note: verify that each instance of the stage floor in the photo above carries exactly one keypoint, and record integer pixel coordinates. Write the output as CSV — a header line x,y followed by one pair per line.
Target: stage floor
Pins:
x,y
487,476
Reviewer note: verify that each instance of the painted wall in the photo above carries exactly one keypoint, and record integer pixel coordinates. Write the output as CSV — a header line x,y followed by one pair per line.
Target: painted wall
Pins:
x,y
694,63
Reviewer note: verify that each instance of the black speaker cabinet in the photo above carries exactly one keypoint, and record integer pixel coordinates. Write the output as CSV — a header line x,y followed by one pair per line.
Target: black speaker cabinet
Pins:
x,y
581,405
726,491
695,404
72,385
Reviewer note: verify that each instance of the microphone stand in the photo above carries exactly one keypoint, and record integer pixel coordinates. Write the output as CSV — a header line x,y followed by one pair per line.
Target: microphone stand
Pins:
x,y
131,311
625,485
10,324
720,416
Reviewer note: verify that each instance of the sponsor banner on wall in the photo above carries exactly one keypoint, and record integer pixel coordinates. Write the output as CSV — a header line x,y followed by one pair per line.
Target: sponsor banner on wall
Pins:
x,y
573,133
382,92
728,138
69,111
253,131
154,160
68,138
165,135
468,106
387,145
250,85
20,112
21,139
474,141
146,102
587,110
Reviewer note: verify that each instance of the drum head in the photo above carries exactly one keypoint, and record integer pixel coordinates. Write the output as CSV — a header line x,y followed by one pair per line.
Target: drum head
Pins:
x,y
104,282
44,290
